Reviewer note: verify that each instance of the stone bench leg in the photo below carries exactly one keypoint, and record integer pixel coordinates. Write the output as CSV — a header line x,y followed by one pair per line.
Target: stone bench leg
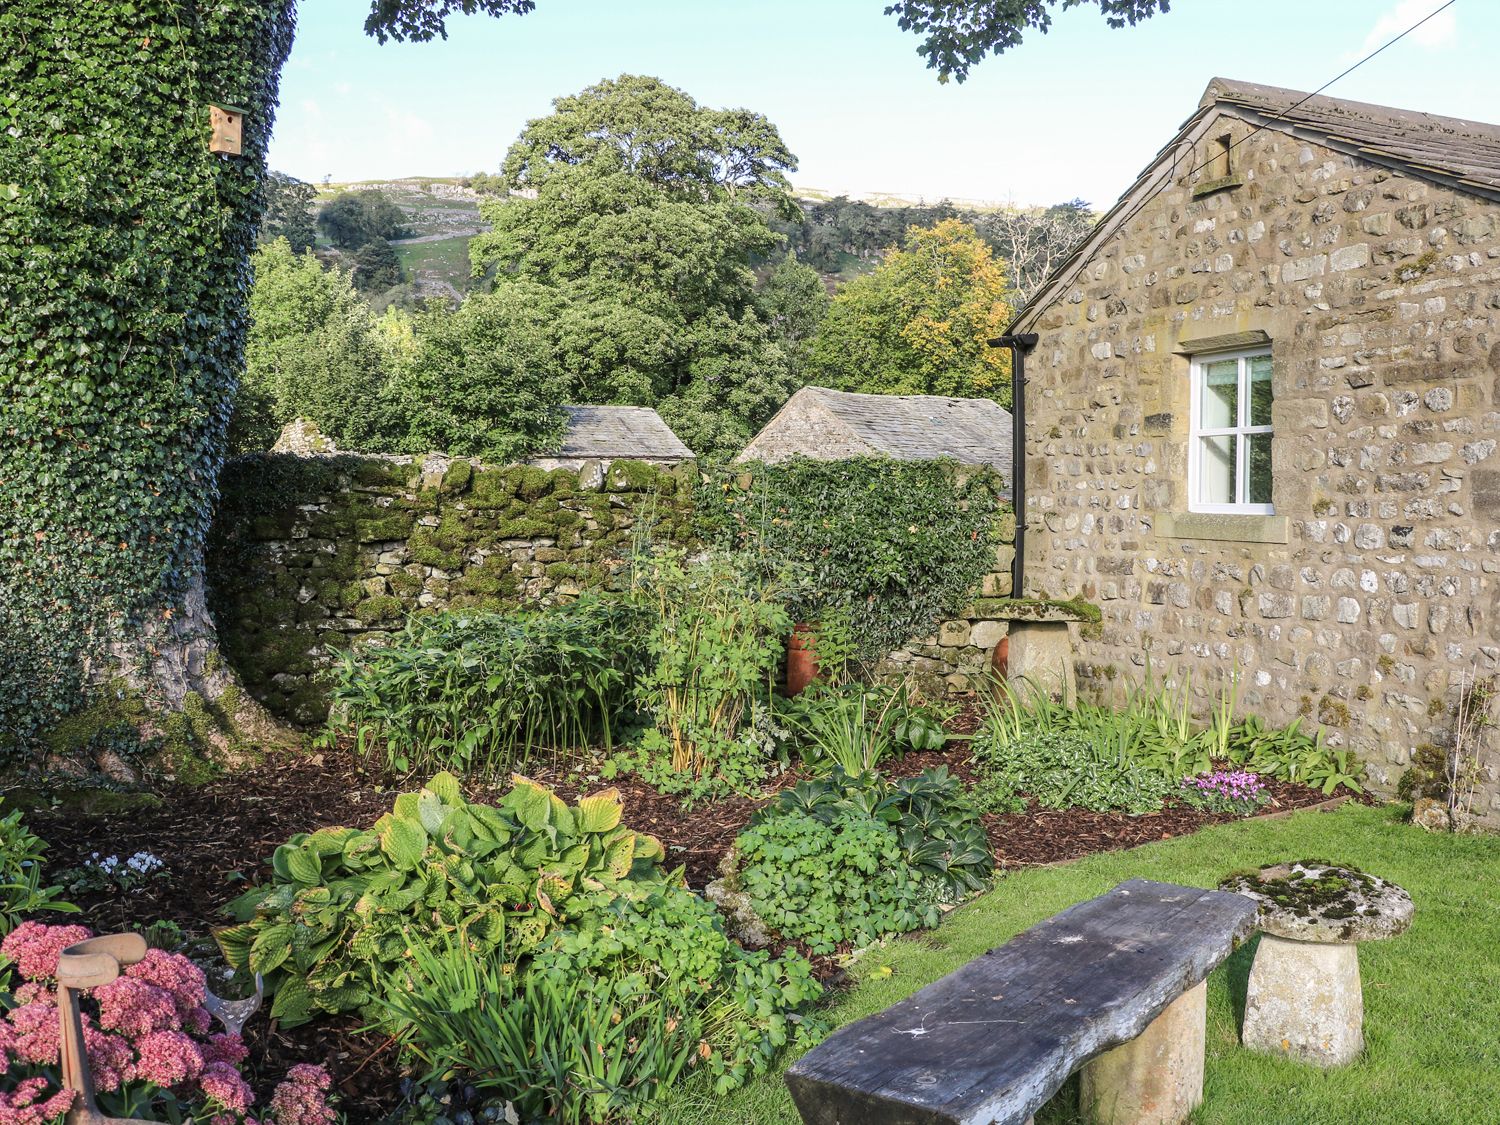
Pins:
x,y
1156,1078
1304,1000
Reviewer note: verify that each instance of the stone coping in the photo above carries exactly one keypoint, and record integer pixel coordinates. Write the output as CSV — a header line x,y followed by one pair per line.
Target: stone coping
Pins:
x,y
1031,609
1318,902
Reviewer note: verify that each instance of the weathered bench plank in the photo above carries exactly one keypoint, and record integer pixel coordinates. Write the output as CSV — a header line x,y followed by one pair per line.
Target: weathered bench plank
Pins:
x,y
989,1043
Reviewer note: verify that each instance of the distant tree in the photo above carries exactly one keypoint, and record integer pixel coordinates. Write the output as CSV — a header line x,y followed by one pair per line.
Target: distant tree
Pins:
x,y
1035,240
486,183
353,218
959,33
289,212
376,266
793,302
483,380
828,232
643,213
312,352
921,322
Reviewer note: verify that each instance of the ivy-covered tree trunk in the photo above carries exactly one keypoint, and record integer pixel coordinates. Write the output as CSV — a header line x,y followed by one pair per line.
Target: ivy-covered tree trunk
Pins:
x,y
124,277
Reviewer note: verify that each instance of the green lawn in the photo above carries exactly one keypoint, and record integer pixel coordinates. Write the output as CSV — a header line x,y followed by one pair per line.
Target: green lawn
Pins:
x,y
1432,996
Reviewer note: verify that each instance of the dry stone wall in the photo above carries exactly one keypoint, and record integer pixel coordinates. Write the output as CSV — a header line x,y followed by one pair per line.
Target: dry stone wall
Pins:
x,y
311,554
1370,596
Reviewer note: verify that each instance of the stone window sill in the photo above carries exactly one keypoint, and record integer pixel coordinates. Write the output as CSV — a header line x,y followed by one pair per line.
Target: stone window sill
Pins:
x,y
1222,183
1222,528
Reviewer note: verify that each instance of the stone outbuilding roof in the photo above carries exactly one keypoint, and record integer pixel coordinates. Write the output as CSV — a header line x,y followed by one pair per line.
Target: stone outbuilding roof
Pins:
x,y
1456,153
609,432
828,425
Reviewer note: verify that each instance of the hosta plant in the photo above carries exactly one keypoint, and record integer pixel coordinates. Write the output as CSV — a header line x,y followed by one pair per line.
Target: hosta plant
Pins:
x,y
336,916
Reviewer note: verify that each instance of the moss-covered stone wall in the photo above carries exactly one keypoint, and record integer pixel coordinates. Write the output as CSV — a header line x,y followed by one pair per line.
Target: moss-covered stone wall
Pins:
x,y
310,554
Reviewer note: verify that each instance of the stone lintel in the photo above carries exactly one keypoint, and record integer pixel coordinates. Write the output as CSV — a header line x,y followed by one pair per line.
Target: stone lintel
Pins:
x,y
1224,342
1222,528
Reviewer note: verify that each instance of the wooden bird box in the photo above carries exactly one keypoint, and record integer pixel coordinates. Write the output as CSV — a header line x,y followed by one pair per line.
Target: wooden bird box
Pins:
x,y
226,120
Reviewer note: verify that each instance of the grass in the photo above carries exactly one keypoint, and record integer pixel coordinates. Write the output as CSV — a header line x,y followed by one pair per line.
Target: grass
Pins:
x,y
1432,996
447,258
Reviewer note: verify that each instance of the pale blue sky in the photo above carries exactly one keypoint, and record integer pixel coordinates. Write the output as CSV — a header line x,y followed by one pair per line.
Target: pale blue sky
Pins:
x,y
1077,112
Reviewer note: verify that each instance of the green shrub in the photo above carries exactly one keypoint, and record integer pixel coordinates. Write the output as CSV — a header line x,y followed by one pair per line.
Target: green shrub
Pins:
x,y
343,903
855,726
894,544
715,638
21,889
852,860
477,692
1061,769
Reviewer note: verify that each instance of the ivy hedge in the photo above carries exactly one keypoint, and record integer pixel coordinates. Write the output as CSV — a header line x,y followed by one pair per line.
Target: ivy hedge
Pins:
x,y
896,545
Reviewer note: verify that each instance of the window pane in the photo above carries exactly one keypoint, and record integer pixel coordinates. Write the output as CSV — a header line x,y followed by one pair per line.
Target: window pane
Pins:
x,y
1219,401
1216,470
1260,390
1260,468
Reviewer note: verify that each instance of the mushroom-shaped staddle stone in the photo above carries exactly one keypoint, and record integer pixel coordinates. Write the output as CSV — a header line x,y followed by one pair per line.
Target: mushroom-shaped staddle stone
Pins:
x,y
1304,997
1311,901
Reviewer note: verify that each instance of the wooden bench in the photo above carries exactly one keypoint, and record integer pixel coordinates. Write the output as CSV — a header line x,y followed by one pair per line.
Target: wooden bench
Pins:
x,y
1114,985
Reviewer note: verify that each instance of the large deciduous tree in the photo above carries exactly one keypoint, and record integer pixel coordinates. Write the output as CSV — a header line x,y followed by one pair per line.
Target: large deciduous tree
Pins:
x,y
921,322
642,211
124,272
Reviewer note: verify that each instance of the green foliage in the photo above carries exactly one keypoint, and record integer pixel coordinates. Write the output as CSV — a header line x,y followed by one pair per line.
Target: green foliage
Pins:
x,y
479,692
851,860
957,34
124,246
21,889
376,266
1061,770
312,352
483,380
793,302
608,1016
353,219
715,638
1152,731
289,213
642,225
921,323
344,904
844,730
895,544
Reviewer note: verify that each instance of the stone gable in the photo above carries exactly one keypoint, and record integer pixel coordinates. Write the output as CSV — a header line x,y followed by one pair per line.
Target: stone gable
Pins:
x,y
1372,590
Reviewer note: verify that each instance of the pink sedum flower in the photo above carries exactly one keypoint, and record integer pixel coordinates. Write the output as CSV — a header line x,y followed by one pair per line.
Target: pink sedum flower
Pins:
x,y
174,974
225,1047
34,948
167,1058
111,1059
27,1105
303,1098
222,1082
136,1007
36,1033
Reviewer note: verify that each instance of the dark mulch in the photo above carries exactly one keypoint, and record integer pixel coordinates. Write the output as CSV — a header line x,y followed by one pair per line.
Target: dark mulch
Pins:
x,y
215,839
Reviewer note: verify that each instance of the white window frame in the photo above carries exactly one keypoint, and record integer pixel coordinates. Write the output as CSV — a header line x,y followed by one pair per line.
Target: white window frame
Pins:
x,y
1197,432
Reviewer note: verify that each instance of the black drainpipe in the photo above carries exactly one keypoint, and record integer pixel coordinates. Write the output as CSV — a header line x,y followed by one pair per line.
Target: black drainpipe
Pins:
x,y
1020,345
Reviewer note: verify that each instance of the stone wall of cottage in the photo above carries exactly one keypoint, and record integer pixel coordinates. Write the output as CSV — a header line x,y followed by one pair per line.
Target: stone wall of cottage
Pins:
x,y
312,554
1372,595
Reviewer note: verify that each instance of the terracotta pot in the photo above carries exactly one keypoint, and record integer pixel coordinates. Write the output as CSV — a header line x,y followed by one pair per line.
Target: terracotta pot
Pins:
x,y
801,658
1000,659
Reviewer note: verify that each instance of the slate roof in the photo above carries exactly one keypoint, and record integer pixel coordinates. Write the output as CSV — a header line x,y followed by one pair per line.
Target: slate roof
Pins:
x,y
1468,152
620,431
1459,154
972,431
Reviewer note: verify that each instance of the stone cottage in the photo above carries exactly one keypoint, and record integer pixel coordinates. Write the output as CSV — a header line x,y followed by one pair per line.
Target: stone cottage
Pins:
x,y
605,433
830,425
1262,417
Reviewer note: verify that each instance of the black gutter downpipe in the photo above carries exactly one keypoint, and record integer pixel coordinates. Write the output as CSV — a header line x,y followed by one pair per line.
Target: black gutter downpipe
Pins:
x,y
1021,345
